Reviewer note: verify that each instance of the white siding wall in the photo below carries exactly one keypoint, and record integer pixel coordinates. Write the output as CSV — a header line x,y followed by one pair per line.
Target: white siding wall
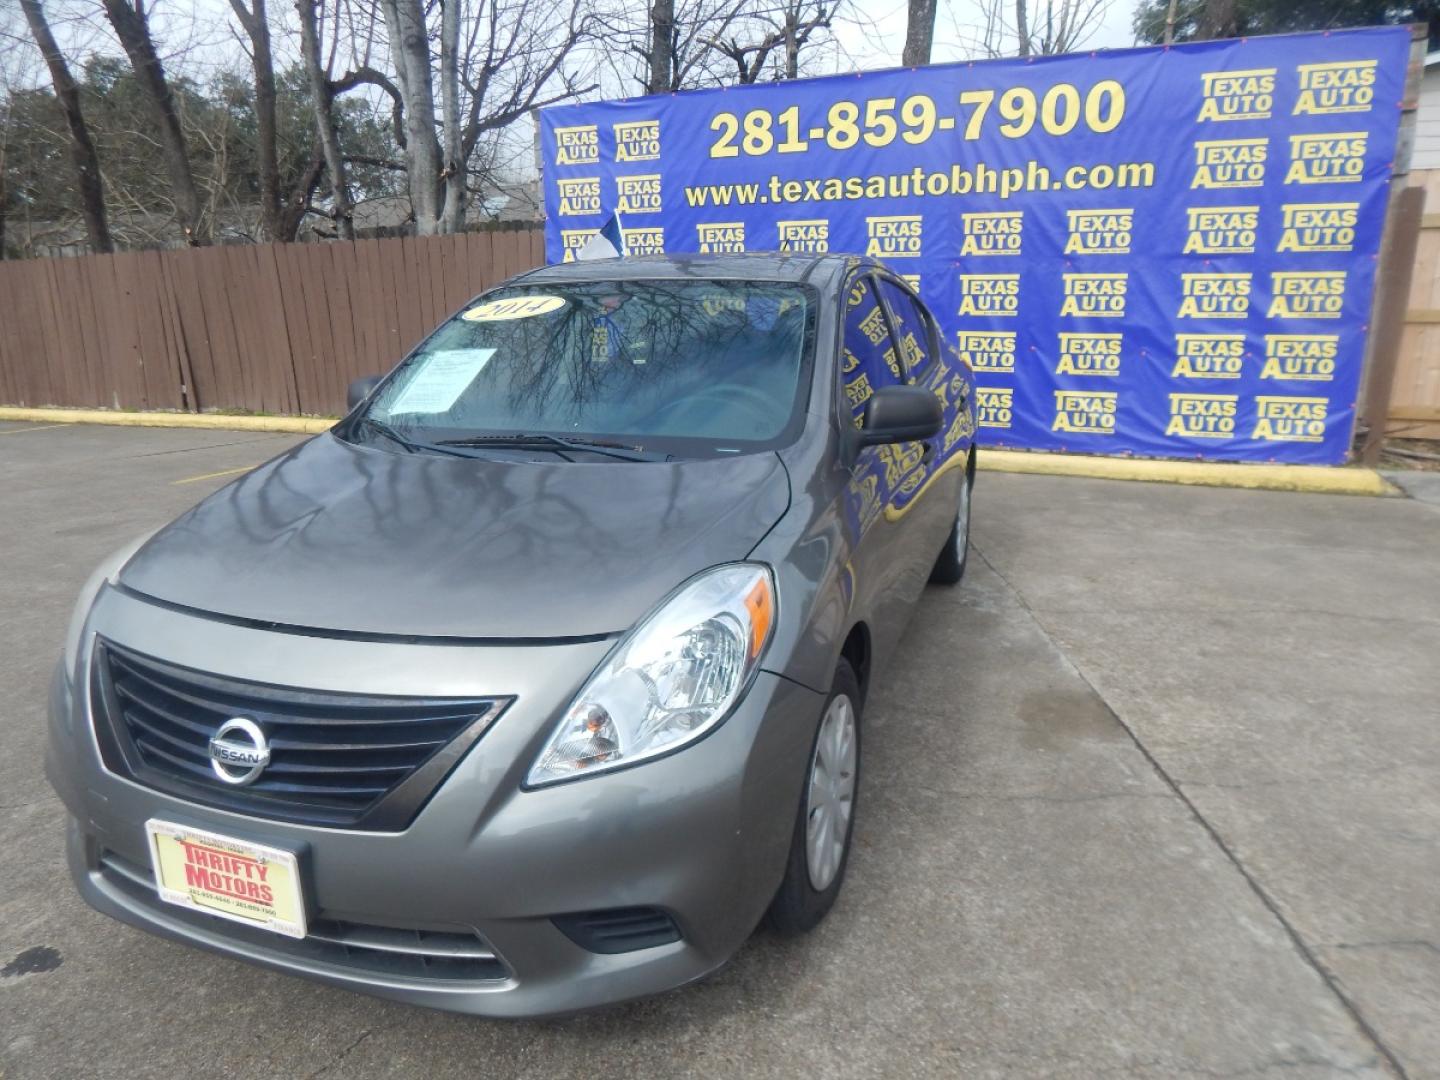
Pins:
x,y
1427,122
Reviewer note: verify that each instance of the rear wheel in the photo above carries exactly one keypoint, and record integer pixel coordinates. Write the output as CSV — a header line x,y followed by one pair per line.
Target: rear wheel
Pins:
x,y
820,843
949,565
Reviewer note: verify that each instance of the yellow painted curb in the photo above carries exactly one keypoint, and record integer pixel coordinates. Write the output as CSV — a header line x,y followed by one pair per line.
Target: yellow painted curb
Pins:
x,y
299,425
1308,478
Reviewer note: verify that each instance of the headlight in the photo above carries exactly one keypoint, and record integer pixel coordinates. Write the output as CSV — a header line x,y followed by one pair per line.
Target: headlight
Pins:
x,y
673,679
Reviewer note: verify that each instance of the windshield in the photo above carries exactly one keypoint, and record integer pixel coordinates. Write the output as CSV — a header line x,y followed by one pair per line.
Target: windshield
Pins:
x,y
684,367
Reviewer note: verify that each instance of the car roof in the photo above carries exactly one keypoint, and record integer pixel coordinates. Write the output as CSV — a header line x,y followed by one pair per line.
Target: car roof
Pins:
x,y
816,270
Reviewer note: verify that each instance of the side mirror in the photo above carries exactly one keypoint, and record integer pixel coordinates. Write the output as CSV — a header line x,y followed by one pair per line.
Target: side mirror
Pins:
x,y
360,390
897,414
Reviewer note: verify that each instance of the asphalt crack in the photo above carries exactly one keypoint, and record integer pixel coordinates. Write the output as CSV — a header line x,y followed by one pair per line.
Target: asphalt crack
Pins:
x,y
1038,796
1348,776
1387,1056
1403,943
341,1056
1201,612
1300,1061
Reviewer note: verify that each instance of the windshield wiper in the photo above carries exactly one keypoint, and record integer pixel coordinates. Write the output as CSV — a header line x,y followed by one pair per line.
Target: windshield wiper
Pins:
x,y
381,427
411,447
559,444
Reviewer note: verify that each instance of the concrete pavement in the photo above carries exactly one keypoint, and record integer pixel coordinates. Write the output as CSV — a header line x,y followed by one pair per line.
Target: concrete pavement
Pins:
x,y
1156,792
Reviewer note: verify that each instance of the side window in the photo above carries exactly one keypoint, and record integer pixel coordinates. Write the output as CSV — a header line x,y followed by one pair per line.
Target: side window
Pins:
x,y
869,359
911,329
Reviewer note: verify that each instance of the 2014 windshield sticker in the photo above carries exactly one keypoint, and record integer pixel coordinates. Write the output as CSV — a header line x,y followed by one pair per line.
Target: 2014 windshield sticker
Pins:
x,y
514,307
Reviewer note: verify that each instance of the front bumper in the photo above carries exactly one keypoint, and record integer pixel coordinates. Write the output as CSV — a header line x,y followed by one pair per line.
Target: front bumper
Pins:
x,y
701,835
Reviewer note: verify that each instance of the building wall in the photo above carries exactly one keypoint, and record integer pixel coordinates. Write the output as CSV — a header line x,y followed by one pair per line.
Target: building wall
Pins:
x,y
1426,154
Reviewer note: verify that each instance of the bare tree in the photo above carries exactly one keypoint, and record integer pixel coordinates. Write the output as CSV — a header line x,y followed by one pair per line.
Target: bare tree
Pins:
x,y
1048,28
781,31
512,58
452,172
257,27
322,100
132,27
4,185
673,47
518,57
367,75
1061,26
663,45
82,147
296,204
410,53
919,33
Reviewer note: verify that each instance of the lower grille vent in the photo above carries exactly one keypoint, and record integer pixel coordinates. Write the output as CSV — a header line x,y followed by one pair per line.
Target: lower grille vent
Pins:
x,y
619,930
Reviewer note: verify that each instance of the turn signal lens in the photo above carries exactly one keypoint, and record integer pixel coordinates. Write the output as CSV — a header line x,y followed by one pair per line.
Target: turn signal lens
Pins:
x,y
760,602
674,678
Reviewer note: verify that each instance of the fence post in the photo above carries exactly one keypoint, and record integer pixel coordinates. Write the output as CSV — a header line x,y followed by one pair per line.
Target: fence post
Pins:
x,y
1406,206
1392,296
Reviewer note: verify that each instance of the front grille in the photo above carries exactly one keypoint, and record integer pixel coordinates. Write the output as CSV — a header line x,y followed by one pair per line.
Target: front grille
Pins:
x,y
451,956
619,930
341,760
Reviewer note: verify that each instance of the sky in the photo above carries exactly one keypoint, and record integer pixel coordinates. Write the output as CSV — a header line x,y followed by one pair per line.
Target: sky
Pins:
x,y
871,34
199,38
957,22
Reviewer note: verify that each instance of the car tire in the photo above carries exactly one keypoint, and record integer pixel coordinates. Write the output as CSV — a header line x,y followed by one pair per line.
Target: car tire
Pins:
x,y
949,565
815,868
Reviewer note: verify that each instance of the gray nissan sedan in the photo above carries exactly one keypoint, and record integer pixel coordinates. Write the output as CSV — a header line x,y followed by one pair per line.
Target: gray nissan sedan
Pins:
x,y
536,683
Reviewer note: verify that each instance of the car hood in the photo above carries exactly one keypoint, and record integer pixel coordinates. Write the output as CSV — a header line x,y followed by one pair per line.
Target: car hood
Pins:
x,y
342,537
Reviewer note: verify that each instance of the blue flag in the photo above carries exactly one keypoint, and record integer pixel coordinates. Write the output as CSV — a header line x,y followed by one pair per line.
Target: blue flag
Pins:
x,y
608,243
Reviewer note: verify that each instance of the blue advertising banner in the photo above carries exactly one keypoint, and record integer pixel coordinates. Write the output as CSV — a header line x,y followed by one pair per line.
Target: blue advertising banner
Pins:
x,y
1160,252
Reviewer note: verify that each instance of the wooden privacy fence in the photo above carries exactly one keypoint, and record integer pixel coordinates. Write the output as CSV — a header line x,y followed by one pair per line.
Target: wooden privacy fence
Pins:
x,y
1415,395
279,328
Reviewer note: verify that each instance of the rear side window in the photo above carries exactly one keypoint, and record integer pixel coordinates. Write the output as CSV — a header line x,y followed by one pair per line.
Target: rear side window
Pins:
x,y
869,359
911,330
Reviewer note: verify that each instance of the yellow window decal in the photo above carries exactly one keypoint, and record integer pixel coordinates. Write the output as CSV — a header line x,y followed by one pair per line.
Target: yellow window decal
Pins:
x,y
513,307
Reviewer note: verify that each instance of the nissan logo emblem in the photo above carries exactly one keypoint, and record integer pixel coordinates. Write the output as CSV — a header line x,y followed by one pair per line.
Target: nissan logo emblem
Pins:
x,y
238,751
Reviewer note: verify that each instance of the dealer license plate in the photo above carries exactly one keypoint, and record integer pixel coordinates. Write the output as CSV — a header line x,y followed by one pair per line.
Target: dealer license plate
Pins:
x,y
234,879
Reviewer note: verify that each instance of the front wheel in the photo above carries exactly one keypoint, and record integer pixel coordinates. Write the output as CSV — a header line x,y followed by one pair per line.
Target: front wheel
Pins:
x,y
949,565
820,844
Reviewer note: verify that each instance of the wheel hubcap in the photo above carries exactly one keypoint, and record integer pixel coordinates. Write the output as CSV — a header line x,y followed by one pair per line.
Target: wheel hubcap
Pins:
x,y
962,523
831,798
